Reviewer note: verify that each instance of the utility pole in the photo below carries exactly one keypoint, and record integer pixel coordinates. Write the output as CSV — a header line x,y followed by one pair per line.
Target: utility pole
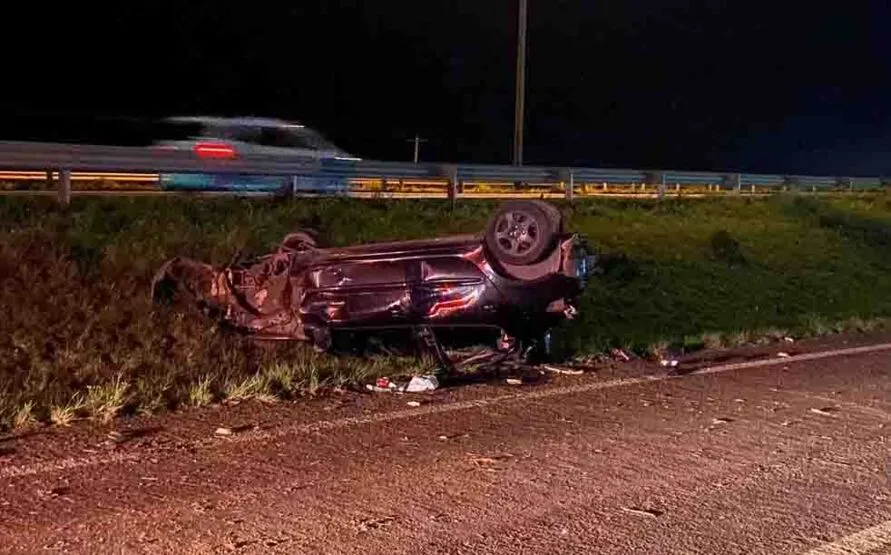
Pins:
x,y
519,111
417,140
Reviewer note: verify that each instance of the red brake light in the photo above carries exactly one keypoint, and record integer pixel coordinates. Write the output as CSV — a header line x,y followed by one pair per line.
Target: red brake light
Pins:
x,y
214,150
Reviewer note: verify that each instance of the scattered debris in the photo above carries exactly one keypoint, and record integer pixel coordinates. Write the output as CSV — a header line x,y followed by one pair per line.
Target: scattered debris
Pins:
x,y
376,389
232,430
367,524
381,385
592,361
446,438
414,403
670,363
620,354
567,371
422,383
739,400
788,340
514,381
825,411
417,384
650,513
783,355
117,437
481,460
721,420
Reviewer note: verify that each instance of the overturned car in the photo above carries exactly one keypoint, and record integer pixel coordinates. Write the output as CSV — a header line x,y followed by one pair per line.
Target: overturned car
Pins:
x,y
519,277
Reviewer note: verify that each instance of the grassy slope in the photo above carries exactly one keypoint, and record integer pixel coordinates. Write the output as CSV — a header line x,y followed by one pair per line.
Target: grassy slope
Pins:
x,y
75,284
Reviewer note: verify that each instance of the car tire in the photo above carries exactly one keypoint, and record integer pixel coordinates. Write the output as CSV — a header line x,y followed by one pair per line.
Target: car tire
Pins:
x,y
300,240
554,212
521,232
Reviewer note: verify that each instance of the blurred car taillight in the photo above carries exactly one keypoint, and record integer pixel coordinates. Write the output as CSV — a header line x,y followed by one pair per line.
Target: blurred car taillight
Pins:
x,y
214,150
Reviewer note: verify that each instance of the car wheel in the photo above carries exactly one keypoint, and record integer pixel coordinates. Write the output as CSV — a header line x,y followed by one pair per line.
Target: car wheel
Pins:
x,y
554,212
521,232
300,240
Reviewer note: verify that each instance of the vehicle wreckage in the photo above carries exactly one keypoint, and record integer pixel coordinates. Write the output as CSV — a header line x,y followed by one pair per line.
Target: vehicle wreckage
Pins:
x,y
519,277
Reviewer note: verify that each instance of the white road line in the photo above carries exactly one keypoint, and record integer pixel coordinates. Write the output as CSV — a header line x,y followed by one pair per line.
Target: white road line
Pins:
x,y
865,542
16,471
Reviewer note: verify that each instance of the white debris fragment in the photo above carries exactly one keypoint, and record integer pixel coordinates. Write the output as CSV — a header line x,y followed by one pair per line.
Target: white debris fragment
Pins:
x,y
646,512
376,389
783,355
666,362
419,384
413,404
567,371
620,354
514,381
223,432
788,340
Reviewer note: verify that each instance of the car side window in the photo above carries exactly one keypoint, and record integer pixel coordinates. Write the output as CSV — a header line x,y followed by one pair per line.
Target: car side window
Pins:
x,y
273,136
232,133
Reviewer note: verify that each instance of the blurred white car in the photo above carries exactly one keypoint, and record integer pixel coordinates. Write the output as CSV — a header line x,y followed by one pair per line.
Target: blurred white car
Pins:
x,y
223,138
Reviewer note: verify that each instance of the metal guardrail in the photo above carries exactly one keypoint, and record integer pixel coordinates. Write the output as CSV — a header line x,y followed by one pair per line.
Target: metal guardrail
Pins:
x,y
68,158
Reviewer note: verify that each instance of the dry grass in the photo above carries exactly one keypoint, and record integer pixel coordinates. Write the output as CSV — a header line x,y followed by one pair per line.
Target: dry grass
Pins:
x,y
201,392
658,350
257,386
712,340
25,415
64,414
105,401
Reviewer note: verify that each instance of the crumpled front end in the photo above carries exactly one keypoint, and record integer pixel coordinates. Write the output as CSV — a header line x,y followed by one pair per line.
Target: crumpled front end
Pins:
x,y
251,300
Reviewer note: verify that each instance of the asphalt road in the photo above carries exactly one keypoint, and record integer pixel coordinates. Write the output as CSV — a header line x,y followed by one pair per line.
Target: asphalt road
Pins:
x,y
789,457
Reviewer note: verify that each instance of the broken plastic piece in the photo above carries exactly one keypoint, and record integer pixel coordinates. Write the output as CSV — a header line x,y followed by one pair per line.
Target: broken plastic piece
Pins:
x,y
420,384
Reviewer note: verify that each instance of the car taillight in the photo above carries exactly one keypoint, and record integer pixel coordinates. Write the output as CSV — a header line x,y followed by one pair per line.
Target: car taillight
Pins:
x,y
214,150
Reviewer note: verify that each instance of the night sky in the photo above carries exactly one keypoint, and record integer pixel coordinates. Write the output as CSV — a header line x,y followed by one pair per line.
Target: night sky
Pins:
x,y
749,86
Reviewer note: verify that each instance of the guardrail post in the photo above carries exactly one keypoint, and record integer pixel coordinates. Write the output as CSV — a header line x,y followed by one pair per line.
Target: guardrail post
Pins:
x,y
451,173
64,188
656,178
567,177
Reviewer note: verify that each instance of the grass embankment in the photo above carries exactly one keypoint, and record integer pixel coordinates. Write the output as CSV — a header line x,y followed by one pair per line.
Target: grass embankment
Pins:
x,y
78,334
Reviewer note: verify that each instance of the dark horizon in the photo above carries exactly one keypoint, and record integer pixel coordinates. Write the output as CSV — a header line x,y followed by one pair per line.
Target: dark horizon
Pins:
x,y
753,87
